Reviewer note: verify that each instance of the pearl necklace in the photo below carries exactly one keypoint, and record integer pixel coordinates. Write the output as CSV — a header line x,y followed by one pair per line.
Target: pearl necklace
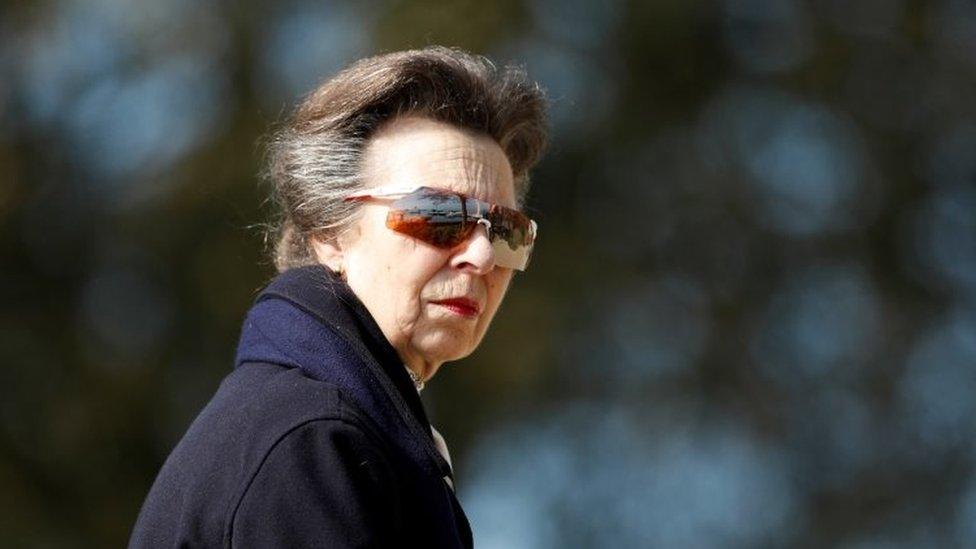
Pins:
x,y
417,382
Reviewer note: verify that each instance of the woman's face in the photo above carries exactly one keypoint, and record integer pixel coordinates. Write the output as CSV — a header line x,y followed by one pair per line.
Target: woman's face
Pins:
x,y
415,291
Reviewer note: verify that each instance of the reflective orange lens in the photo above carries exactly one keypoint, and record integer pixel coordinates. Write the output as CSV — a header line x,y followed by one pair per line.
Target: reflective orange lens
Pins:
x,y
446,219
436,217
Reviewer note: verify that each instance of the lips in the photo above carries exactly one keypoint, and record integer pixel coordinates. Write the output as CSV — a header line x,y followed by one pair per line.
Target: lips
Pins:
x,y
460,305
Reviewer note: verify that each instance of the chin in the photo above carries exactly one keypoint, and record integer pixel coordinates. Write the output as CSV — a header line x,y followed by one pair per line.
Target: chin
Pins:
x,y
446,347
447,355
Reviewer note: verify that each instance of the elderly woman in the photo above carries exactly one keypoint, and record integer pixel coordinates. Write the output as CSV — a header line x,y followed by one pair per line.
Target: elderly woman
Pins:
x,y
399,182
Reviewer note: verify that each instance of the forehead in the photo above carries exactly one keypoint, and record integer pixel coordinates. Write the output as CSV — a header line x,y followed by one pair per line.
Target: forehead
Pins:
x,y
420,151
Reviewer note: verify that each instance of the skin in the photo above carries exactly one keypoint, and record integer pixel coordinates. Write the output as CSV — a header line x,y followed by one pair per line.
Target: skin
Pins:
x,y
399,278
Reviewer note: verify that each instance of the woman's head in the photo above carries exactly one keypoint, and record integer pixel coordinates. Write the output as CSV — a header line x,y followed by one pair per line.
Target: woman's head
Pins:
x,y
437,118
315,160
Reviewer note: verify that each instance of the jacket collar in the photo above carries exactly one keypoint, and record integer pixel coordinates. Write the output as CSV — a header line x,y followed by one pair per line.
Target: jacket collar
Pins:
x,y
309,318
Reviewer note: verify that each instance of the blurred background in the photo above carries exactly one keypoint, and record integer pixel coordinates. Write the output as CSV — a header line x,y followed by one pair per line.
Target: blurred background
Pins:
x,y
751,316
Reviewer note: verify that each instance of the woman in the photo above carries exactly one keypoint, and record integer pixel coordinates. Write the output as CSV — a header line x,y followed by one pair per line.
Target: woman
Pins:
x,y
399,182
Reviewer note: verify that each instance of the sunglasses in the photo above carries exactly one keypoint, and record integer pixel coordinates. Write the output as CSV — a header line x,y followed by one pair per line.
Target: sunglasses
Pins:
x,y
445,219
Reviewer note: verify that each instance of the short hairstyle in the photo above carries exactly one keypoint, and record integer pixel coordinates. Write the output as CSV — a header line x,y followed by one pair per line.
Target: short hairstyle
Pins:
x,y
314,160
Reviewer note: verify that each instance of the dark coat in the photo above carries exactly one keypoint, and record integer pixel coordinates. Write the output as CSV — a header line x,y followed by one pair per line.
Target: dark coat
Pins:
x,y
316,439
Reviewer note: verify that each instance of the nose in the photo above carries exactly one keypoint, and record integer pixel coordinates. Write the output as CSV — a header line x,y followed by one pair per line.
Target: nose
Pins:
x,y
476,254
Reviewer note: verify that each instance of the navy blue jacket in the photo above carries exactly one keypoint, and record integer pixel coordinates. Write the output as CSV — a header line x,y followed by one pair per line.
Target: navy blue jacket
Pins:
x,y
317,438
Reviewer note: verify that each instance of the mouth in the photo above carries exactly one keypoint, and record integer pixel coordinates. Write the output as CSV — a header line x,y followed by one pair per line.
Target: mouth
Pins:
x,y
460,306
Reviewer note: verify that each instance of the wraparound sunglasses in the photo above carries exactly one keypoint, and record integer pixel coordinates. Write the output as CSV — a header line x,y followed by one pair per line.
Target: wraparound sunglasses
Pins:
x,y
445,219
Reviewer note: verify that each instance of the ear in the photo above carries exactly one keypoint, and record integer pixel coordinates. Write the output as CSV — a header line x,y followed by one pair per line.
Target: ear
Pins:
x,y
329,253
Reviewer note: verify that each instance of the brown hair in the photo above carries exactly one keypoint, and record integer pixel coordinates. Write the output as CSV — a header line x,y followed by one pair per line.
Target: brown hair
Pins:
x,y
314,160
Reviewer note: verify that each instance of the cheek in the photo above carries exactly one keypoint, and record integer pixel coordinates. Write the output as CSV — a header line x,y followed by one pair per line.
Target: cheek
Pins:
x,y
416,276
388,278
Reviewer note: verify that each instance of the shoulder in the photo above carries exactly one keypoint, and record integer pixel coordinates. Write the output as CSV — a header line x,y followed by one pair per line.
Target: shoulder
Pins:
x,y
278,402
327,478
259,404
267,428
328,458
